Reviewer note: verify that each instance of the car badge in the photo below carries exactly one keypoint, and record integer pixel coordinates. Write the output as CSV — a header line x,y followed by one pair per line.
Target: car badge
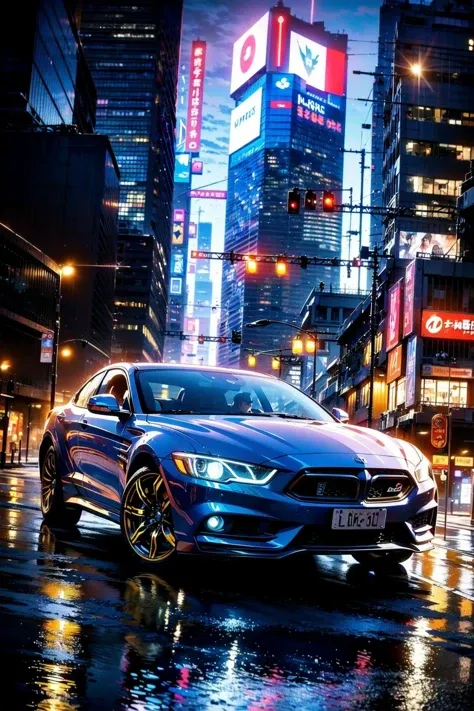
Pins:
x,y
360,460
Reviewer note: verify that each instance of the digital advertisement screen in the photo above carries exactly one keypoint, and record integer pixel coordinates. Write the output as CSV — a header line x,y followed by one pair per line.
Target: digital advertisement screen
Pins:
x,y
319,111
427,243
177,263
176,286
447,324
320,67
250,53
245,121
182,167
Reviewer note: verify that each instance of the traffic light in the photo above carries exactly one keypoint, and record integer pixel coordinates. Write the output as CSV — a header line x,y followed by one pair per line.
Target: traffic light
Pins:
x,y
294,202
236,337
280,268
201,339
322,286
223,339
10,387
310,200
275,364
252,361
251,265
304,261
329,201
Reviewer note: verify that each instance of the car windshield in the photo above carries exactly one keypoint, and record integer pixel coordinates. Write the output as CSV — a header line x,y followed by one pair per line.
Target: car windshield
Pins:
x,y
183,391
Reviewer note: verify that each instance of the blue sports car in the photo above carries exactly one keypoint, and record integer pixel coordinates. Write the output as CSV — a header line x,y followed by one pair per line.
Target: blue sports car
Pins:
x,y
218,461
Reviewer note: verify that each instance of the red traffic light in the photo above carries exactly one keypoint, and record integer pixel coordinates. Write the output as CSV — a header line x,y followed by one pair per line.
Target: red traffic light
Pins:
x,y
310,200
329,201
201,339
294,202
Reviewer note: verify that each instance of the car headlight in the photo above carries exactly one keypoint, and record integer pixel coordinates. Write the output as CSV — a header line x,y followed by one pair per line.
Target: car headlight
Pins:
x,y
423,471
221,470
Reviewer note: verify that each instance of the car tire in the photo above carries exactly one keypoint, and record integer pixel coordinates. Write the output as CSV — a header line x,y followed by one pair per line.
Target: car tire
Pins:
x,y
55,511
376,559
146,518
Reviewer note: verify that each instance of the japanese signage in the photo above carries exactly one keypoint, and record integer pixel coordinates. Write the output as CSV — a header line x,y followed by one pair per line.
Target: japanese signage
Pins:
x,y
320,67
394,364
197,167
440,460
467,462
47,340
447,324
409,299
250,53
439,431
178,215
410,394
177,235
427,244
315,111
196,87
245,121
192,229
209,194
181,169
442,371
393,317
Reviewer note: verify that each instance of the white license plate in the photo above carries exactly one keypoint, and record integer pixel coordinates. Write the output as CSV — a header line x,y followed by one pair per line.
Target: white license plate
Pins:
x,y
359,519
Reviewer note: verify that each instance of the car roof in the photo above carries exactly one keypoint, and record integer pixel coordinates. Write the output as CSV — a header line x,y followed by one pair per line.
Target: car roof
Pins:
x,y
179,366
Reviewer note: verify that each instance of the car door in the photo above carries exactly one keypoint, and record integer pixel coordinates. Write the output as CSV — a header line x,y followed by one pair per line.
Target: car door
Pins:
x,y
103,441
68,431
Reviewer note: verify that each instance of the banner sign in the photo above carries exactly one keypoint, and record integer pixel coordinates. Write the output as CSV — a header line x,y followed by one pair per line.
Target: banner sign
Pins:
x,y
409,299
439,431
47,340
394,364
393,318
410,392
442,371
196,88
447,324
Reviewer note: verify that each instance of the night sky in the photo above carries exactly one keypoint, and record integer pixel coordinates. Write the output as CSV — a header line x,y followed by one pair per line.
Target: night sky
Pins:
x,y
220,23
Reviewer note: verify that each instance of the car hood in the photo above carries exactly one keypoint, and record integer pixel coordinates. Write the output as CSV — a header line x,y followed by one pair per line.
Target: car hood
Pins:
x,y
290,443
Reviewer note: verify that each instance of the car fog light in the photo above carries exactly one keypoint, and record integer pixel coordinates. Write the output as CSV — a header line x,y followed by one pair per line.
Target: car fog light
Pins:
x,y
215,523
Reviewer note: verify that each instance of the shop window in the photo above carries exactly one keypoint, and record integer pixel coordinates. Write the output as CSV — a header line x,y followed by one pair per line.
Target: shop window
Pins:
x,y
438,392
392,390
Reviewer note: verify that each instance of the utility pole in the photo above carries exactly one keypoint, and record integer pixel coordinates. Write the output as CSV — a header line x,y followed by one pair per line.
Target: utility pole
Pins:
x,y
361,201
373,333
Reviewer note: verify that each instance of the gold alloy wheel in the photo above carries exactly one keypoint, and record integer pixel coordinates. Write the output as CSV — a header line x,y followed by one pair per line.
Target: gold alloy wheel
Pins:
x,y
48,482
147,519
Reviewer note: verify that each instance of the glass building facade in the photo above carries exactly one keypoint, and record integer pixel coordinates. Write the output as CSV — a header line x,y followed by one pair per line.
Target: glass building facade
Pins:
x,y
44,78
300,142
133,52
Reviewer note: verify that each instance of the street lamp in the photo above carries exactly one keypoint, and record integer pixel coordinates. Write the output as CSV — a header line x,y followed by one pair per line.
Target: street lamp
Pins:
x,y
4,366
280,268
67,270
251,265
66,352
263,322
251,361
416,69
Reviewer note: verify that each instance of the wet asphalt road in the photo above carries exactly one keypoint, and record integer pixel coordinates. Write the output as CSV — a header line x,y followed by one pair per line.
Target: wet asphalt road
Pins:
x,y
82,629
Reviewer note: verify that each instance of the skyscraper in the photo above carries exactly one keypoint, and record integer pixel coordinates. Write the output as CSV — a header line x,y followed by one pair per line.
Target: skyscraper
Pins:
x,y
44,78
133,52
287,130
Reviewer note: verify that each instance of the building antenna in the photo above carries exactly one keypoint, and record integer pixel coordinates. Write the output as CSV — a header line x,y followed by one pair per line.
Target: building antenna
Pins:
x,y
311,13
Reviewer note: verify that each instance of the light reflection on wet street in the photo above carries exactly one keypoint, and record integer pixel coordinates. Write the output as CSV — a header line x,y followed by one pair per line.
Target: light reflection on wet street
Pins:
x,y
83,629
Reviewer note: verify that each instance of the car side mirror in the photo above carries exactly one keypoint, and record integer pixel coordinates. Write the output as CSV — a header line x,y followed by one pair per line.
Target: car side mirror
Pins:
x,y
340,415
104,405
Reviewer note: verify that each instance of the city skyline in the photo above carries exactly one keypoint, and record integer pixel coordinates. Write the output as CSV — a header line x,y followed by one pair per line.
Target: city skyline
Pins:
x,y
220,28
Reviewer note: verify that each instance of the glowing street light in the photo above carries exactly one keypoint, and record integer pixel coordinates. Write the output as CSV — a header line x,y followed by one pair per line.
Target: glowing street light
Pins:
x,y
4,366
251,361
416,70
66,352
275,364
310,345
67,270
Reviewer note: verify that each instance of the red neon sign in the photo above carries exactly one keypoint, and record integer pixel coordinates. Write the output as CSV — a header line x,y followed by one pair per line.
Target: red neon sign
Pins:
x,y
447,324
280,21
196,89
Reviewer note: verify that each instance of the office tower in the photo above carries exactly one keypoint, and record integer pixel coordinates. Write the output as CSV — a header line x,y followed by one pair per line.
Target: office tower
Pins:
x,y
133,52
44,78
287,130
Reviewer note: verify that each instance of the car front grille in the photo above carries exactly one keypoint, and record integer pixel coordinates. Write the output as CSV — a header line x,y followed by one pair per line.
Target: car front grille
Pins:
x,y
423,519
388,486
327,485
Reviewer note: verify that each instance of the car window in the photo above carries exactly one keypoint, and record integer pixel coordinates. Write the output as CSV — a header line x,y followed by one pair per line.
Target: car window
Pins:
x,y
208,392
87,390
115,383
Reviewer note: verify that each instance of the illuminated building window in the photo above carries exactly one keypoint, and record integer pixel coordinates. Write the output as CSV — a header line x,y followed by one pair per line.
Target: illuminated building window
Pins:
x,y
436,392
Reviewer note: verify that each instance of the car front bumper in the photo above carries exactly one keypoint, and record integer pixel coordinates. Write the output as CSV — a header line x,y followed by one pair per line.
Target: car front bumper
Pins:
x,y
266,522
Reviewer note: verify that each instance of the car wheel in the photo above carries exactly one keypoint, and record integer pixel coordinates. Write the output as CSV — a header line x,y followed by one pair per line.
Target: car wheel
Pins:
x,y
146,518
55,511
373,558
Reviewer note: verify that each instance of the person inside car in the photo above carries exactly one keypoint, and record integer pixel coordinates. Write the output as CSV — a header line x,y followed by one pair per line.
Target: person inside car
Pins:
x,y
242,404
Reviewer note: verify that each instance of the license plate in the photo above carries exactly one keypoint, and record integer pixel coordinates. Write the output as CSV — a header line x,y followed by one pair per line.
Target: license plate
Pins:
x,y
359,519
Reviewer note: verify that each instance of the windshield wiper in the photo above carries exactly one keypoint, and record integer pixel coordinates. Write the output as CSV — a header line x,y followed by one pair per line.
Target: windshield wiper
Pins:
x,y
287,416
